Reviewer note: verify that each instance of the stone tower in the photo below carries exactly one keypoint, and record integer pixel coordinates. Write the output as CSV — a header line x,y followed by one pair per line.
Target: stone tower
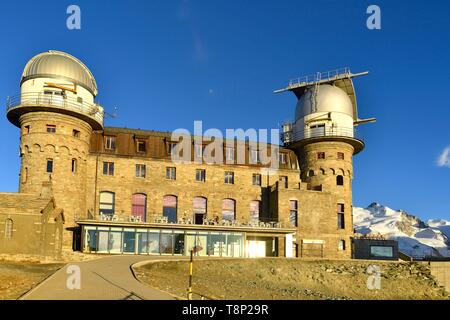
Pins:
x,y
56,114
324,138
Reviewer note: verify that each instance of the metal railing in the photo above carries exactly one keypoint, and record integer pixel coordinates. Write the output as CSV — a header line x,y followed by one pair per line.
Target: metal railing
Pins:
x,y
291,136
40,99
320,76
160,219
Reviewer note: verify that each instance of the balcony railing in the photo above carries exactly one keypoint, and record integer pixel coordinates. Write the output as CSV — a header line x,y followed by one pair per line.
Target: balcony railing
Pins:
x,y
40,99
290,136
160,219
320,76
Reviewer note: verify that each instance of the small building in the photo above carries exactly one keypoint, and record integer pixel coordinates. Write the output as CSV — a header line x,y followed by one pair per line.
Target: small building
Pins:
x,y
161,238
30,224
374,249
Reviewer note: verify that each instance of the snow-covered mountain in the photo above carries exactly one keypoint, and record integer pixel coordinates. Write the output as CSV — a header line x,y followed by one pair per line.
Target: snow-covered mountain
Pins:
x,y
415,237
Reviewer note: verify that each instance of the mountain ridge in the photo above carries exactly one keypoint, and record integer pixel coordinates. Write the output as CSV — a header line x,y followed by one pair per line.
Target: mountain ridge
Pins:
x,y
415,237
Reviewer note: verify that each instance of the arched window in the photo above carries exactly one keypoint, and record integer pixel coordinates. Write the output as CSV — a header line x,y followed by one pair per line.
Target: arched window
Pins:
x,y
8,228
254,210
228,209
139,205
107,202
199,204
340,180
170,208
311,173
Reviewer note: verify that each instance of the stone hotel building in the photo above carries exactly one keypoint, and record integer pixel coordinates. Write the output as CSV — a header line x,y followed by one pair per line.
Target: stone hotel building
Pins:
x,y
97,189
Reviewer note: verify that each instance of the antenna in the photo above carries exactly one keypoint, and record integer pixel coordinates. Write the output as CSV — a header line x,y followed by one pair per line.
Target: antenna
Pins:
x,y
112,115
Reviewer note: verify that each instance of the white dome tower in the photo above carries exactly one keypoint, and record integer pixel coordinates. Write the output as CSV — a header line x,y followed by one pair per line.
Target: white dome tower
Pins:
x,y
324,138
56,112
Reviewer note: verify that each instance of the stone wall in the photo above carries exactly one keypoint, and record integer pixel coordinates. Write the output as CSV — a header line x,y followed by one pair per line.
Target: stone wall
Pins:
x,y
37,146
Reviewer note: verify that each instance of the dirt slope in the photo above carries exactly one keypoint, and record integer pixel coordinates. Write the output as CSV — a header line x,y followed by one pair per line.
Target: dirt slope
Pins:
x,y
278,278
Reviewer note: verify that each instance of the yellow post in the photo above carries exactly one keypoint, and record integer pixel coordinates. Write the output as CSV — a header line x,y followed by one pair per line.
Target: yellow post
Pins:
x,y
189,295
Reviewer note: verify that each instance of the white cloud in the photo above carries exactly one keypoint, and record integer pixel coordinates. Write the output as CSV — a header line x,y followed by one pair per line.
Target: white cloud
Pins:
x,y
444,158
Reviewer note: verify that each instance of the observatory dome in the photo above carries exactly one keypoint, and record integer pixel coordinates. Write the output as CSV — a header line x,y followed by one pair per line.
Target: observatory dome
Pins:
x,y
323,98
59,65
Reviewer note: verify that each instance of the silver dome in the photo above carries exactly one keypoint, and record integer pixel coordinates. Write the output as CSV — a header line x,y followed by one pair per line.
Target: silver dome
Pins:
x,y
60,65
324,98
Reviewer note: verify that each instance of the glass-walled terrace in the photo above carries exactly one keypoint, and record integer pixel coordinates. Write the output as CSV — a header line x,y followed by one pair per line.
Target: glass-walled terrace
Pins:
x,y
122,240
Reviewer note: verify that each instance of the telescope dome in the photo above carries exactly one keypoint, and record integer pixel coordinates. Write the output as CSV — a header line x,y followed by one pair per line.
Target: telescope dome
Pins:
x,y
324,98
60,65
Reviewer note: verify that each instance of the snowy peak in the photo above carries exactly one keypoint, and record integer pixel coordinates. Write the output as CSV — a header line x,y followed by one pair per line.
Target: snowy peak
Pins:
x,y
415,237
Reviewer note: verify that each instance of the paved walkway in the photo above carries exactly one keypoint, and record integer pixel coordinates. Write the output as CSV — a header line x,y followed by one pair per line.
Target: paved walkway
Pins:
x,y
108,278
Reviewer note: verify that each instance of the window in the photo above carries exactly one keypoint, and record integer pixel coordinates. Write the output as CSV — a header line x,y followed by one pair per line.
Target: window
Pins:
x,y
49,165
340,180
171,148
320,155
254,210
110,143
26,129
283,158
107,202
140,170
139,205
74,165
228,209
229,154
382,251
171,173
76,133
229,177
256,179
311,173
199,204
200,175
293,213
108,168
51,128
284,181
170,208
341,245
341,216
340,156
254,156
8,228
79,99
141,146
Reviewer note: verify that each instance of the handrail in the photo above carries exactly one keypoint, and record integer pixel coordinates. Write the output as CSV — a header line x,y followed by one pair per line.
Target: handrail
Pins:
x,y
291,136
327,75
31,99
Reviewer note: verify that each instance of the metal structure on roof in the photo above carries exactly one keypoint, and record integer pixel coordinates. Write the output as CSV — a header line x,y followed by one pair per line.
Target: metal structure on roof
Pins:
x,y
341,78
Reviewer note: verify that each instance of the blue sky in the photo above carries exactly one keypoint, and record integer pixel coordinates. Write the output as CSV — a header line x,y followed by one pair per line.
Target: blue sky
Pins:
x,y
165,64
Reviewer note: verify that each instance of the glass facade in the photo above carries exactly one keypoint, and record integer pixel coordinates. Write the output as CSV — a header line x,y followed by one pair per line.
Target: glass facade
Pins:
x,y
161,241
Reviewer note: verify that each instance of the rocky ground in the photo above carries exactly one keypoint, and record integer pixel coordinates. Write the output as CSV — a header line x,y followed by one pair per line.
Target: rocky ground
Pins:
x,y
16,278
292,279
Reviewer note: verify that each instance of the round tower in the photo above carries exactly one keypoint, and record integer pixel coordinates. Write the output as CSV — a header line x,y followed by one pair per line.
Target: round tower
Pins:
x,y
56,113
324,138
